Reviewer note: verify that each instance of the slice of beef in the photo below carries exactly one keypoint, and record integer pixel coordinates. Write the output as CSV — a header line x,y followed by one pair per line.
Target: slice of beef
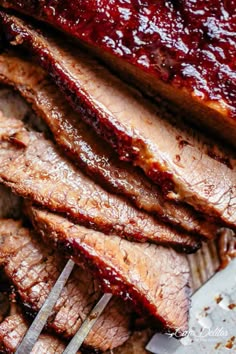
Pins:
x,y
184,51
12,331
175,157
154,278
90,152
33,269
33,167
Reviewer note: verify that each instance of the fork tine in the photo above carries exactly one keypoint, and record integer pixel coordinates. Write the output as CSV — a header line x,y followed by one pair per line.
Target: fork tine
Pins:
x,y
87,325
40,320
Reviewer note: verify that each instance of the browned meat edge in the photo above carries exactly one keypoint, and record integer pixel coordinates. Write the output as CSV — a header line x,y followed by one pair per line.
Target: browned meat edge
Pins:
x,y
33,269
12,331
176,158
212,115
33,168
215,116
155,279
90,152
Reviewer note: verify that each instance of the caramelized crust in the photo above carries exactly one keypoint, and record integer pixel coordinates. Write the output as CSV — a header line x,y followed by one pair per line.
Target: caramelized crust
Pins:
x,y
184,50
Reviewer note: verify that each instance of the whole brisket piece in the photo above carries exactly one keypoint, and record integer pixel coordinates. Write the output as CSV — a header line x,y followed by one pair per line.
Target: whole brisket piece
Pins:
x,y
184,51
33,268
33,168
90,152
185,166
152,277
12,331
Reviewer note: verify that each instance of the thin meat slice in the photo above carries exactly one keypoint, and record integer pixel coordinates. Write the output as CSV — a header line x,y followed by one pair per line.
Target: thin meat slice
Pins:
x,y
33,268
12,331
180,161
33,168
90,152
154,278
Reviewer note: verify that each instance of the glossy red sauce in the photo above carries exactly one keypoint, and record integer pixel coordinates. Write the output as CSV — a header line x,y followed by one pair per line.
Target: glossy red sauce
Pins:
x,y
189,43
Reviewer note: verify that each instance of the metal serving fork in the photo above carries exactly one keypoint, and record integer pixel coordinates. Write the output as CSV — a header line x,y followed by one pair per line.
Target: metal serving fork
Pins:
x,y
40,320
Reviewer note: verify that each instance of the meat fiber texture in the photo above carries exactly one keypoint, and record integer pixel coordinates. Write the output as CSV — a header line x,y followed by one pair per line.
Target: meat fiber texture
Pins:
x,y
155,279
12,331
187,167
91,153
33,268
12,103
34,168
184,51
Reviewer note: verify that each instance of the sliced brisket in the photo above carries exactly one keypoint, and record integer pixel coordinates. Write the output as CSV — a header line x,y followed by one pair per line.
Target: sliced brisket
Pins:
x,y
32,166
184,51
174,157
154,278
33,269
12,331
90,152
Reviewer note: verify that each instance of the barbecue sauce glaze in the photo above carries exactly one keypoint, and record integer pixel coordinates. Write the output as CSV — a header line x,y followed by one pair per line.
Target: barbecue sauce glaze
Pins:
x,y
190,44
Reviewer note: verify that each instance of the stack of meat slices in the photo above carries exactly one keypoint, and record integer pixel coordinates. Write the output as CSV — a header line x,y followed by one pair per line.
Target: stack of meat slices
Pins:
x,y
115,181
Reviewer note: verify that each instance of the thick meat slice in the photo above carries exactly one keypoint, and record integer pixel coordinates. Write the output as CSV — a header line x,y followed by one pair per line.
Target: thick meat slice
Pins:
x,y
33,269
179,160
12,331
90,152
184,50
33,168
154,278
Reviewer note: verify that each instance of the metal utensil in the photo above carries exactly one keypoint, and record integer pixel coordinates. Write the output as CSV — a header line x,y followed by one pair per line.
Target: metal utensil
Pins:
x,y
212,324
40,320
87,325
